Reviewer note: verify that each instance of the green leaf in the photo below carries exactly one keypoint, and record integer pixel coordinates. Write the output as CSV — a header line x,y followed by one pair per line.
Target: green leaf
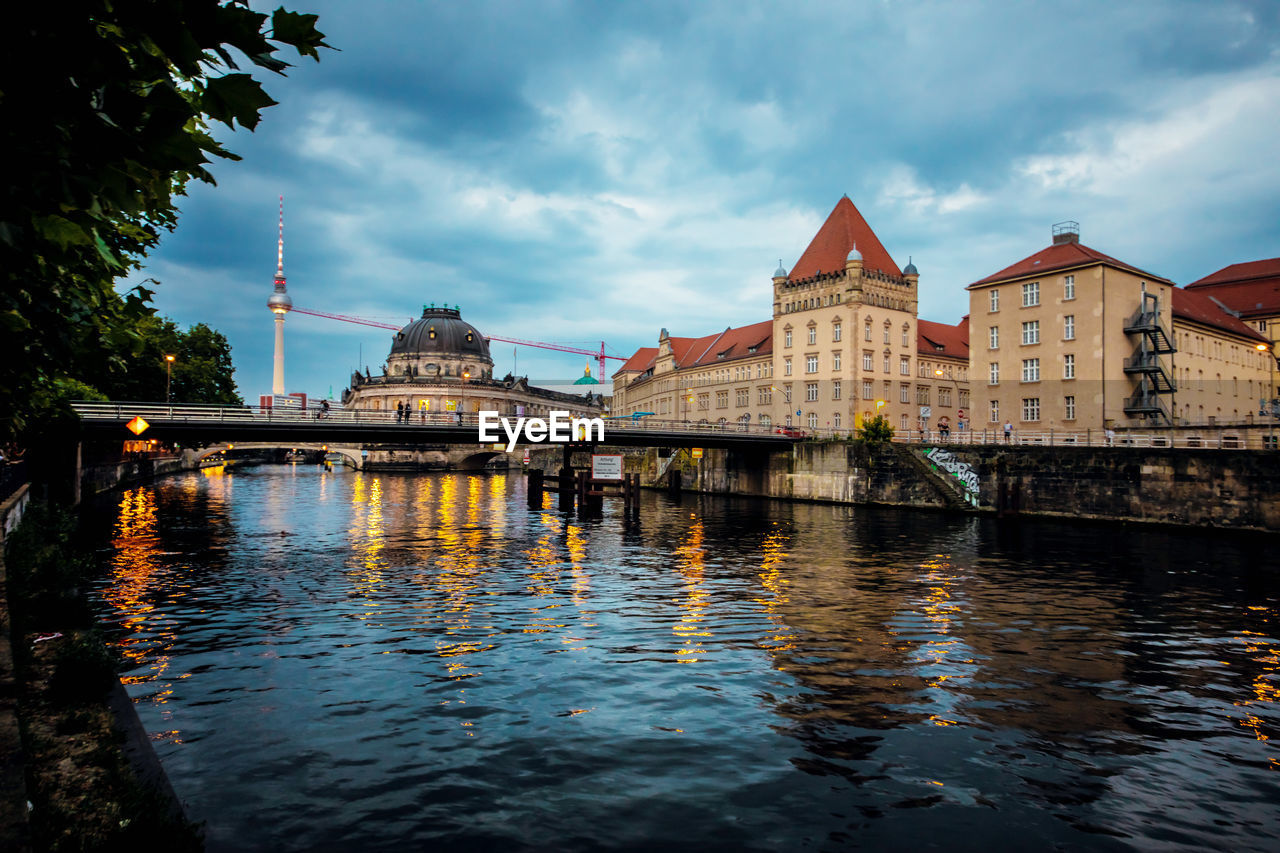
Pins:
x,y
298,30
235,97
61,231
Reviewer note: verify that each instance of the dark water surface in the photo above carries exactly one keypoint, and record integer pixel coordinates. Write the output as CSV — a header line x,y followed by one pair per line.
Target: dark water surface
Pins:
x,y
353,661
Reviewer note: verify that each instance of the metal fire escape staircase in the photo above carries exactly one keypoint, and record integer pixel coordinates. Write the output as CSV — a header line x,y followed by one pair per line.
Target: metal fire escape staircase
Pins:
x,y
1145,364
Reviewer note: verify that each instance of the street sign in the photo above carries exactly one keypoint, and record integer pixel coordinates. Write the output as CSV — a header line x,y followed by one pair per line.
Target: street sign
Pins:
x,y
606,466
926,412
137,426
697,453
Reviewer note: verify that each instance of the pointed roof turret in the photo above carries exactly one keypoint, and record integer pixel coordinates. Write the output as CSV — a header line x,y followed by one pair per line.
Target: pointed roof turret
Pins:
x,y
844,230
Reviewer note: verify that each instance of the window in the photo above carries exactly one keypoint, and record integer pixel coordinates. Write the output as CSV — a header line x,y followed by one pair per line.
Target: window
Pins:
x,y
1031,408
993,374
786,367
722,399
786,394
903,422
886,331
866,330
835,422
994,410
944,396
993,338
886,362
1069,288
1031,370
743,397
811,364
813,334
835,390
906,335
995,300
766,422
704,401
904,365
811,392
922,395
964,398
1069,366
764,395
866,361
1030,294
904,393
786,338
835,361
813,420
867,391
835,332
1031,332
1069,327
1069,403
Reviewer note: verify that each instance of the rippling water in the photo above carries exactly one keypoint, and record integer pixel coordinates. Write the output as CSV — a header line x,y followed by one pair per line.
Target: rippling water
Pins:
x,y
354,661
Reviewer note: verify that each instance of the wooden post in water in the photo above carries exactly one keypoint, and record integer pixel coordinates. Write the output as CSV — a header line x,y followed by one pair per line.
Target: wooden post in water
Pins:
x,y
534,484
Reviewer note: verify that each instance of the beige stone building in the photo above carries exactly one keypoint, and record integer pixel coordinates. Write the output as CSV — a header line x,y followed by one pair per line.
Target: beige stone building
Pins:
x,y
843,345
1252,291
1072,339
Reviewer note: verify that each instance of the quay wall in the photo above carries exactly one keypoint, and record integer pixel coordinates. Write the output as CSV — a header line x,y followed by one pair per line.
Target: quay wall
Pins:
x,y
1200,488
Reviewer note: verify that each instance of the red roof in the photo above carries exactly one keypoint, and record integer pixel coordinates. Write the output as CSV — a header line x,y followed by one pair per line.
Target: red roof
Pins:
x,y
940,339
729,345
829,248
642,359
1196,306
1062,256
1252,288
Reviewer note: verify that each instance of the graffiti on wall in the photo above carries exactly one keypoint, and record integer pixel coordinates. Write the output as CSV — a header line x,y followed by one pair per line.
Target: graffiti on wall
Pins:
x,y
962,471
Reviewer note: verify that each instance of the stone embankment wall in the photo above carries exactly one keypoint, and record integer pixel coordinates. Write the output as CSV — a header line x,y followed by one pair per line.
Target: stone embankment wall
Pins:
x,y
103,477
1203,488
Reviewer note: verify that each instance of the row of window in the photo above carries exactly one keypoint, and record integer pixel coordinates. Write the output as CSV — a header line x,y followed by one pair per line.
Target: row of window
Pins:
x,y
1031,369
1031,409
1031,293
1031,332
837,334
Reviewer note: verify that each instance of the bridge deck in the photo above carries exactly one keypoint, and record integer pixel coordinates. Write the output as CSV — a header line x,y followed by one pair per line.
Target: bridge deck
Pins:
x,y
207,424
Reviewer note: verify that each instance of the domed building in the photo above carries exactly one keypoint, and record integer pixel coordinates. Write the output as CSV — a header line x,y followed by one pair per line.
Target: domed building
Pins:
x,y
439,366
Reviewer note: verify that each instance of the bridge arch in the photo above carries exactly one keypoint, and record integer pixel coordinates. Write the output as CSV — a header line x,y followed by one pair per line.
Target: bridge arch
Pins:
x,y
477,461
350,454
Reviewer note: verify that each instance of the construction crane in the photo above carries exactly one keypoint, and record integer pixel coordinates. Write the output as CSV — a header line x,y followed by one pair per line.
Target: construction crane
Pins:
x,y
599,355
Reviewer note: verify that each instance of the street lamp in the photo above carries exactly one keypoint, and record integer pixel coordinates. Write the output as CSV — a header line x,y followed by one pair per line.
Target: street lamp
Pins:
x,y
466,377
168,376
1270,407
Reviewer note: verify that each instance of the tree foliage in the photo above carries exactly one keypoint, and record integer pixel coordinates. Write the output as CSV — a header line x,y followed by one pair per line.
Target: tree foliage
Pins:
x,y
100,136
201,370
875,431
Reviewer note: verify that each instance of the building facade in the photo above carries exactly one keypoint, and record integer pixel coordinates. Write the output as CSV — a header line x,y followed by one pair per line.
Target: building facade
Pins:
x,y
1072,339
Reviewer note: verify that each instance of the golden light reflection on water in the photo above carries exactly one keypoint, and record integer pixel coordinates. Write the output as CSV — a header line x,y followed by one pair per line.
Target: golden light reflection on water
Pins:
x,y
368,538
690,556
1265,653
945,656
776,585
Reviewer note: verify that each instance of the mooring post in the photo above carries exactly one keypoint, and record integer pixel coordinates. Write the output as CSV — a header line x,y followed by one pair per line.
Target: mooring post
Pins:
x,y
534,485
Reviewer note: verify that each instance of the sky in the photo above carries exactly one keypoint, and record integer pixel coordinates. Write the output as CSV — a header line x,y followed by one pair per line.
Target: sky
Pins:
x,y
580,172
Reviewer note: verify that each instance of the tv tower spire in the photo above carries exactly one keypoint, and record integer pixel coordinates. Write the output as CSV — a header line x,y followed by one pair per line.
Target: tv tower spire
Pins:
x,y
279,303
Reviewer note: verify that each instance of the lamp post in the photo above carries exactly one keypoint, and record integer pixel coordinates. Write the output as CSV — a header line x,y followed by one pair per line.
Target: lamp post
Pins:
x,y
466,377
1270,407
168,376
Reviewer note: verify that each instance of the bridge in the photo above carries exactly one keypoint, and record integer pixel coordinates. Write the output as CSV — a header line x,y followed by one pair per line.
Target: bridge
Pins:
x,y
201,425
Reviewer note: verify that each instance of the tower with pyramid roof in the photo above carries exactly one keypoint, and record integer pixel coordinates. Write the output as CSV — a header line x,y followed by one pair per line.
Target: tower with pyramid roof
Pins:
x,y
844,334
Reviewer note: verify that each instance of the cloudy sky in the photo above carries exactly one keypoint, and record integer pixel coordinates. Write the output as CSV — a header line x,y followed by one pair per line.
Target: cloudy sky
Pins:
x,y
578,172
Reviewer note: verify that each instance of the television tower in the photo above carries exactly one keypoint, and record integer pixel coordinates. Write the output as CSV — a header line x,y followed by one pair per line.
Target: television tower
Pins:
x,y
279,303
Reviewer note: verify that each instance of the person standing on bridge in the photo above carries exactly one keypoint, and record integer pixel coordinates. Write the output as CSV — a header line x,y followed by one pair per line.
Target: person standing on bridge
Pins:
x,y
400,411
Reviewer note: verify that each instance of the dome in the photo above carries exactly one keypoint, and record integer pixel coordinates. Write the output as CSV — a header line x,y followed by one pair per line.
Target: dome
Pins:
x,y
587,378
781,271
279,302
854,254
440,331
910,268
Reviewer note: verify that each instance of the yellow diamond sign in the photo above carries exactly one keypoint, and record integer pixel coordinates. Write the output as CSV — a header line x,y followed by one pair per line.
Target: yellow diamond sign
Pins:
x,y
137,426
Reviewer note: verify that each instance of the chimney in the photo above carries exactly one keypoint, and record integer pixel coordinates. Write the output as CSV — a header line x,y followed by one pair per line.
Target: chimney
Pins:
x,y
1066,232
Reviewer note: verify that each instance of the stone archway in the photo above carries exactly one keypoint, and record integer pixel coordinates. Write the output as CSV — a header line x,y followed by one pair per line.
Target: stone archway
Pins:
x,y
350,454
477,461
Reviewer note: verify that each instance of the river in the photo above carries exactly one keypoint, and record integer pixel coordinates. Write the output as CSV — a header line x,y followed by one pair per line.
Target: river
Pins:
x,y
333,660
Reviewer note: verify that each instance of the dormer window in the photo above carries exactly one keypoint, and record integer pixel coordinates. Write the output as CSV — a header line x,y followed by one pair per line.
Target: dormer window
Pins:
x,y
431,333
470,337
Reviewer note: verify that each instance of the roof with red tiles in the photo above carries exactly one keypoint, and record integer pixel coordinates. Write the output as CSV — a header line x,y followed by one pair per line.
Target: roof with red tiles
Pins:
x,y
729,345
1063,256
941,339
1251,288
1196,306
642,359
829,248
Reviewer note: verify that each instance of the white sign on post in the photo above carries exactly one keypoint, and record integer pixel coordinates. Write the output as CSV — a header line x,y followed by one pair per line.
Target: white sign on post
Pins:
x,y
606,467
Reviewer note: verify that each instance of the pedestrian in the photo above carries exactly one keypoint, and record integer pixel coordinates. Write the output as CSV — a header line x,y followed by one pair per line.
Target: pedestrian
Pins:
x,y
1008,432
1110,436
399,411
